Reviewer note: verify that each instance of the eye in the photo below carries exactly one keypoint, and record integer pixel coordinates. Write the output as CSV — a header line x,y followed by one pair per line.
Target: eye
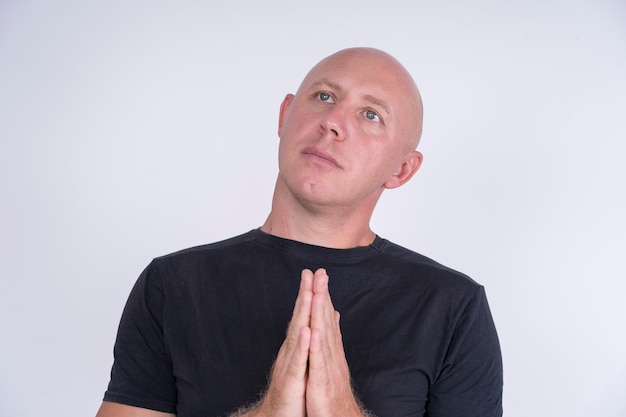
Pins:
x,y
372,115
325,97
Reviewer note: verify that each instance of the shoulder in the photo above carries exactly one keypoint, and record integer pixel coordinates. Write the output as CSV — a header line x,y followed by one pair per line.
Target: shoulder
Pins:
x,y
197,262
209,248
189,257
417,267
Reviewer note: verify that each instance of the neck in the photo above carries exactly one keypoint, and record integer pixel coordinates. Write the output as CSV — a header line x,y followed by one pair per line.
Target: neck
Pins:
x,y
331,227
319,234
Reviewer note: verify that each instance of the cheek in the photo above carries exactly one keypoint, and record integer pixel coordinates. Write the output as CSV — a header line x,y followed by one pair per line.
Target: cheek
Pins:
x,y
294,128
381,161
371,163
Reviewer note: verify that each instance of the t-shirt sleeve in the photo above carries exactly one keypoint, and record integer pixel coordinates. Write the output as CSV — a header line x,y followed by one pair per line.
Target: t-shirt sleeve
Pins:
x,y
142,374
470,382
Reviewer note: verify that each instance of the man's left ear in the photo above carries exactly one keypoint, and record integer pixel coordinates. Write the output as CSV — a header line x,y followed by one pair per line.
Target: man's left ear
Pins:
x,y
410,164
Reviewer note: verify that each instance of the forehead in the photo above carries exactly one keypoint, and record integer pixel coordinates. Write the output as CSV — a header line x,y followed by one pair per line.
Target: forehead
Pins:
x,y
373,76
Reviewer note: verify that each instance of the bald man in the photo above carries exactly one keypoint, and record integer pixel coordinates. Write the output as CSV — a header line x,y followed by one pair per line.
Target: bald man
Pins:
x,y
313,314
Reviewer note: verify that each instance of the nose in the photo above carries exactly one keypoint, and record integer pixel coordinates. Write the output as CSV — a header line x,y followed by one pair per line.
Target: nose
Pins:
x,y
334,123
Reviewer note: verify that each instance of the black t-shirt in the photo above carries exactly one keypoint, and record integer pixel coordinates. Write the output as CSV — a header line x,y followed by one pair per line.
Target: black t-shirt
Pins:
x,y
202,328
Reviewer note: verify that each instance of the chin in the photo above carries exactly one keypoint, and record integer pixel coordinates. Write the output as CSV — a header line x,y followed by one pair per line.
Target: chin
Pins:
x,y
313,193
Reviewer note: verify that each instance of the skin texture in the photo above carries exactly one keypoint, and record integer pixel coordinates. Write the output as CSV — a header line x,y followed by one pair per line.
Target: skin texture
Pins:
x,y
348,133
109,409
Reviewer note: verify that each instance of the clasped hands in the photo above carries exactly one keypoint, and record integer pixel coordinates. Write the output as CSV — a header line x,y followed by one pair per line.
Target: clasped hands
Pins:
x,y
311,376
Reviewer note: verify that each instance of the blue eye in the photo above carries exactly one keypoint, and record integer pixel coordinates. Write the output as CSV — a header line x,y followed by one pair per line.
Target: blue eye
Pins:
x,y
325,97
372,115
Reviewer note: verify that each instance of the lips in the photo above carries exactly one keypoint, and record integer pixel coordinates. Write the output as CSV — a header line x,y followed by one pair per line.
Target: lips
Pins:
x,y
321,156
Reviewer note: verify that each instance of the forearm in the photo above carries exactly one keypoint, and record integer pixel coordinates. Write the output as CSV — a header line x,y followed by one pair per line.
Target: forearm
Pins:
x,y
256,411
248,411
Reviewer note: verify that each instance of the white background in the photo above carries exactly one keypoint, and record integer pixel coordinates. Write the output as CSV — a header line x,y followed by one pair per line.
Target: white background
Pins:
x,y
130,129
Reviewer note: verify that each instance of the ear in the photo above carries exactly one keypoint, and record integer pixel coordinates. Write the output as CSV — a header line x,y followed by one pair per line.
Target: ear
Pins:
x,y
284,109
410,164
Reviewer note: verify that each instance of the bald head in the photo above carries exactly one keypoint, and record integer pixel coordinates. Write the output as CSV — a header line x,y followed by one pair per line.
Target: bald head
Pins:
x,y
349,133
388,74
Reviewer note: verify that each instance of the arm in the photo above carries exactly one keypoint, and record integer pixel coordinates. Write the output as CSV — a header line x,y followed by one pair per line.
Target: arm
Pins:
x,y
142,374
109,409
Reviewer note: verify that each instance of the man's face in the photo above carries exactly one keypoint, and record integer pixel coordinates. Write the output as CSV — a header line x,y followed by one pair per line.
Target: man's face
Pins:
x,y
348,129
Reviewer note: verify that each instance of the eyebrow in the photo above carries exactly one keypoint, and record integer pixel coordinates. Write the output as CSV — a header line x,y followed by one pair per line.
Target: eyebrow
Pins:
x,y
327,83
378,102
372,99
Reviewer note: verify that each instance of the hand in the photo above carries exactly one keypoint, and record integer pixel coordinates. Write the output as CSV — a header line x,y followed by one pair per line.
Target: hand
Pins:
x,y
285,396
310,376
328,389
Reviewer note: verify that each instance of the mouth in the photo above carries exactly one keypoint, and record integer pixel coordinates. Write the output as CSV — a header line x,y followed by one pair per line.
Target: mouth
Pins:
x,y
321,156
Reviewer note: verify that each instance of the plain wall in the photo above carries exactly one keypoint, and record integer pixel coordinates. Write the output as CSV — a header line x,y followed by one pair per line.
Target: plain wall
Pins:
x,y
130,129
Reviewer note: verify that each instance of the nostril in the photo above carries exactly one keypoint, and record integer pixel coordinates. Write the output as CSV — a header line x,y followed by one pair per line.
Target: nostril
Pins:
x,y
330,127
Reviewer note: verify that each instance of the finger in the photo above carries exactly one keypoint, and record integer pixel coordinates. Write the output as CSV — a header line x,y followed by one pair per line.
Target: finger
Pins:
x,y
327,360
326,340
328,389
323,352
286,392
320,281
302,310
301,315
304,345
323,314
318,360
297,365
324,332
306,280
287,387
291,361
